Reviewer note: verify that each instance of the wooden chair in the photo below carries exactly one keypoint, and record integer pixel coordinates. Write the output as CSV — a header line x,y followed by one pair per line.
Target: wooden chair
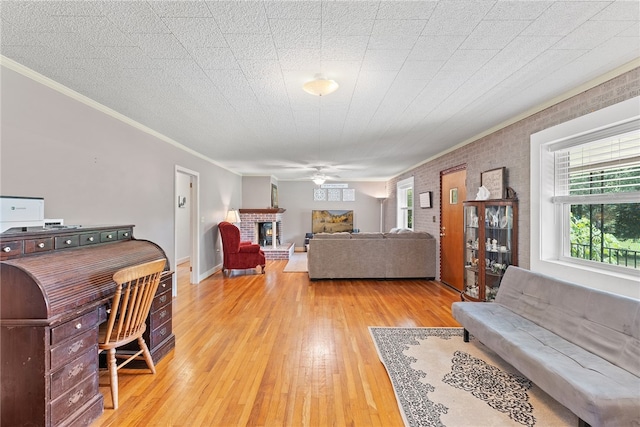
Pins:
x,y
136,287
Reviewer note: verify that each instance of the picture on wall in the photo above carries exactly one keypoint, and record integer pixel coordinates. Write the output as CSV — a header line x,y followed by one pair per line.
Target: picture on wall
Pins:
x,y
331,221
274,196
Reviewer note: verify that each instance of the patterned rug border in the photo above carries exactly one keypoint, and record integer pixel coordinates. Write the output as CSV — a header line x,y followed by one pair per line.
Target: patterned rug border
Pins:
x,y
419,410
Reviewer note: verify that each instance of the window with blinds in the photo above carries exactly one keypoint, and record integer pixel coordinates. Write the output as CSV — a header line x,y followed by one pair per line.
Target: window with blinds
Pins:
x,y
597,186
604,167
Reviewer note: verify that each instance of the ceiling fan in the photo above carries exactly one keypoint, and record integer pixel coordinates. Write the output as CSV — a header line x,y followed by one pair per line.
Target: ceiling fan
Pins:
x,y
319,177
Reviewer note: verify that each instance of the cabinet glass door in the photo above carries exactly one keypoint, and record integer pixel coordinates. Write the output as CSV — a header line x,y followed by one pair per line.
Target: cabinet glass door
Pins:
x,y
472,242
498,234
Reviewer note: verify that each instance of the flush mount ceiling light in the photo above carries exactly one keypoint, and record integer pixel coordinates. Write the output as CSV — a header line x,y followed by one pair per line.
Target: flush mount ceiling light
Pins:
x,y
320,86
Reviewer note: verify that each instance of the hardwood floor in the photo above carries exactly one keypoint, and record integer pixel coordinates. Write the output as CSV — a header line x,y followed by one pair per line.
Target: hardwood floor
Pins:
x,y
277,350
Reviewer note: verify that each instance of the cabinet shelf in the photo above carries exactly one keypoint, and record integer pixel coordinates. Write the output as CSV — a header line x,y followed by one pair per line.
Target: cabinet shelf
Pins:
x,y
484,267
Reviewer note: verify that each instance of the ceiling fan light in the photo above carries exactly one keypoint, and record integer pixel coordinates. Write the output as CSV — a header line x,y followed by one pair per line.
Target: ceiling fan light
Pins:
x,y
320,86
318,180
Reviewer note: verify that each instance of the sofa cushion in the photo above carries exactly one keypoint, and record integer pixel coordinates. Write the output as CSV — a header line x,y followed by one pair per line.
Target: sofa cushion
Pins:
x,y
600,322
367,235
340,235
412,235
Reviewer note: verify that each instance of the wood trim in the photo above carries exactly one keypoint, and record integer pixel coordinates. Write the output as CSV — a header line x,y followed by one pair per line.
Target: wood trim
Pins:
x,y
262,211
453,169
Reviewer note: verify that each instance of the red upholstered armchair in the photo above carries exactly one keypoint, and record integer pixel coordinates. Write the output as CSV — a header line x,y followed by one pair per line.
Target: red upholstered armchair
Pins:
x,y
237,254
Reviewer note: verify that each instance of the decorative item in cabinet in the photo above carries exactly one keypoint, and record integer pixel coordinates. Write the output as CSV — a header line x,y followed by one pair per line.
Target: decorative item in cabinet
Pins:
x,y
491,245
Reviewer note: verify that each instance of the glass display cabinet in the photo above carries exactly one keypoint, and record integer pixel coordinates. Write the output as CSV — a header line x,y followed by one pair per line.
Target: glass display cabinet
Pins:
x,y
491,245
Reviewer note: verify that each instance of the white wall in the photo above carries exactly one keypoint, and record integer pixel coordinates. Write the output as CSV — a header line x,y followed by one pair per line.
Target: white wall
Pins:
x,y
297,198
93,169
256,192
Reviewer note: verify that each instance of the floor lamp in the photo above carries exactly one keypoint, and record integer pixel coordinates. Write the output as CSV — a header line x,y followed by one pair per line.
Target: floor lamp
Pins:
x,y
381,200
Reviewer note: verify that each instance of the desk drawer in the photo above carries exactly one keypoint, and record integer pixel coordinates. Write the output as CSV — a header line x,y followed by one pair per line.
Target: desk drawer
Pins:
x,y
74,327
108,236
89,239
32,246
159,334
160,316
75,371
71,401
11,249
72,348
67,241
124,234
160,300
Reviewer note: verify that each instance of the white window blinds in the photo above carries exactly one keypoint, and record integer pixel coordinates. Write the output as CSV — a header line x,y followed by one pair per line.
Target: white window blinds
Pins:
x,y
605,170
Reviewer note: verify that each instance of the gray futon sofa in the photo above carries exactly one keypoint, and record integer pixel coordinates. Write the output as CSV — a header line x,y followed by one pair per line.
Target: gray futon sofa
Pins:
x,y
579,345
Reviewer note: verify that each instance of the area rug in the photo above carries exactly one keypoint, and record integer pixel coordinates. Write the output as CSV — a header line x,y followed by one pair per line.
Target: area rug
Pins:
x,y
297,263
439,380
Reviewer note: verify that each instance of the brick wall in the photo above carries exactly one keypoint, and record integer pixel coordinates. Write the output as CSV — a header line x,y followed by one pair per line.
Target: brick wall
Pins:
x,y
508,147
248,222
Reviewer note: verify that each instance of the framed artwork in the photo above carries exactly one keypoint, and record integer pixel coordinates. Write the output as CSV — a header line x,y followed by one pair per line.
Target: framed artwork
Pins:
x,y
349,195
319,194
453,196
493,180
274,196
425,199
334,194
331,221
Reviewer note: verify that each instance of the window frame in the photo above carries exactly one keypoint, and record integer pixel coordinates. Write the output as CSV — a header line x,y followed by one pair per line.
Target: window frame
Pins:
x,y
402,205
547,232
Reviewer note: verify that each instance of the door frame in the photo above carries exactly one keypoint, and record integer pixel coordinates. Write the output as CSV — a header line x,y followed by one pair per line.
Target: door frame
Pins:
x,y
194,228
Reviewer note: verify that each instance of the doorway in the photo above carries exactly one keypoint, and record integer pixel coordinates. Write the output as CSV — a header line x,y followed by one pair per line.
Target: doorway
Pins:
x,y
453,194
187,197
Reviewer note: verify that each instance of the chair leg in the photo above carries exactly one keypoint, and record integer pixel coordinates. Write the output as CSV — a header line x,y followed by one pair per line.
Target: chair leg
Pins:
x,y
263,267
147,355
113,376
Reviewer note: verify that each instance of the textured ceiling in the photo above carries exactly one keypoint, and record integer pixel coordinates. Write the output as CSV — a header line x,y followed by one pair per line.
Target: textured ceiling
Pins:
x,y
416,77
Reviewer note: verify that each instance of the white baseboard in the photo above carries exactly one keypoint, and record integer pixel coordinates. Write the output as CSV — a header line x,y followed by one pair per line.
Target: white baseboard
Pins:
x,y
210,272
183,259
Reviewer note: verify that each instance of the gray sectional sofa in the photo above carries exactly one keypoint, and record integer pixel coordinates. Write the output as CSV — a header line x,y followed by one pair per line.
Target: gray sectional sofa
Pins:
x,y
372,255
580,345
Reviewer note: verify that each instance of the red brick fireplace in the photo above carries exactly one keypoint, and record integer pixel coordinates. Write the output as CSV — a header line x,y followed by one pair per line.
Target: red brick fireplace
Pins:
x,y
250,221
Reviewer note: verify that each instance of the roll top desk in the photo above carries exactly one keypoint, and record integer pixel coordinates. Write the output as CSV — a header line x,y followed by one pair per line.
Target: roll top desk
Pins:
x,y
54,289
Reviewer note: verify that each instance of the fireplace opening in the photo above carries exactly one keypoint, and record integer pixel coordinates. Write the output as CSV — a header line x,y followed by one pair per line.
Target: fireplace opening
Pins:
x,y
265,233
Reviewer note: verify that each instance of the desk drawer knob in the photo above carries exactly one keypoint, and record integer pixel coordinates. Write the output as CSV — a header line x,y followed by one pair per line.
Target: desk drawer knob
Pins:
x,y
67,242
41,245
91,239
78,325
7,249
126,234
109,236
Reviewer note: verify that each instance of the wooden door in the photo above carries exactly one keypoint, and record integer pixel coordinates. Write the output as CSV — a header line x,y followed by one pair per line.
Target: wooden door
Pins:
x,y
454,192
